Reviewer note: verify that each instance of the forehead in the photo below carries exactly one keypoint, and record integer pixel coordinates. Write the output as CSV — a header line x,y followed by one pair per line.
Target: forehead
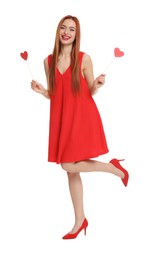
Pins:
x,y
69,23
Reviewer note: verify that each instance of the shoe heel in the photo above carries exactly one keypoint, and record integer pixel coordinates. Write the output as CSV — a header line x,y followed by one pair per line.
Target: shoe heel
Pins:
x,y
116,163
83,227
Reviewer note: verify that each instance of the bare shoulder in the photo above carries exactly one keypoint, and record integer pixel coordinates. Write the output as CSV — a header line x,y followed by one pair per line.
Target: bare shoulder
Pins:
x,y
87,69
86,61
46,61
86,58
46,67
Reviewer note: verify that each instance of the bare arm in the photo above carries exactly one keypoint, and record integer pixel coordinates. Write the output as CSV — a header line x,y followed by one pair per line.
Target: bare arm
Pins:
x,y
37,87
87,71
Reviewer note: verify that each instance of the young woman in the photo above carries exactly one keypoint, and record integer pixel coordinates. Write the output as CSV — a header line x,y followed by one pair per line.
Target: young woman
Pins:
x,y
76,132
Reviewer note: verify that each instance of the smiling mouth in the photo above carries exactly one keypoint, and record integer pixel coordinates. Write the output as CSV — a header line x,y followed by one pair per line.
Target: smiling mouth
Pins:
x,y
64,37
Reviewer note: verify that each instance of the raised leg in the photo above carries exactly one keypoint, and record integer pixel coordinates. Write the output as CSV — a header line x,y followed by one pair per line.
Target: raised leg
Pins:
x,y
92,166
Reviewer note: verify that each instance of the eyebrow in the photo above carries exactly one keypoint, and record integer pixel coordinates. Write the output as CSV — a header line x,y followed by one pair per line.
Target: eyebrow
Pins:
x,y
71,27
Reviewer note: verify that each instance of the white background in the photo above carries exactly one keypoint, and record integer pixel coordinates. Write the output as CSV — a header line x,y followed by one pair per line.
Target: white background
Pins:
x,y
35,206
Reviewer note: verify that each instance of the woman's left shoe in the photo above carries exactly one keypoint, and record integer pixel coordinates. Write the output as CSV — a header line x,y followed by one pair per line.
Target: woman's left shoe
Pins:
x,y
74,235
116,163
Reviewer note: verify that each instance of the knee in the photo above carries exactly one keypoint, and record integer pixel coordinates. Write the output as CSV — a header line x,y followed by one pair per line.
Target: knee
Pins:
x,y
67,167
72,175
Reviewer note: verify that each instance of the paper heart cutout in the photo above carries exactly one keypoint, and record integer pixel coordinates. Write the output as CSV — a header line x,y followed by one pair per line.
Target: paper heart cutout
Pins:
x,y
24,55
118,53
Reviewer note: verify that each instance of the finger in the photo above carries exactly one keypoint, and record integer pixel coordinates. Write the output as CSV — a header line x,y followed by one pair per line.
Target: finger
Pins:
x,y
101,79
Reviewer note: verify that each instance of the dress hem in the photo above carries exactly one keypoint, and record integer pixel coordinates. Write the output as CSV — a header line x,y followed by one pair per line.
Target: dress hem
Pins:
x,y
78,160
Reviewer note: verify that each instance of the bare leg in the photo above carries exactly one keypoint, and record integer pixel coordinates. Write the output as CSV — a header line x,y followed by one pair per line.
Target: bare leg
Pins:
x,y
92,166
75,183
76,192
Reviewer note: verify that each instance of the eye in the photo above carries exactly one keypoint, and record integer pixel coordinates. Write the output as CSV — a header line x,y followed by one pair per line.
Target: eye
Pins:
x,y
72,30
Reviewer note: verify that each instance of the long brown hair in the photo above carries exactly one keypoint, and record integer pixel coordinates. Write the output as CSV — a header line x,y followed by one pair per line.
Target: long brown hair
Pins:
x,y
75,66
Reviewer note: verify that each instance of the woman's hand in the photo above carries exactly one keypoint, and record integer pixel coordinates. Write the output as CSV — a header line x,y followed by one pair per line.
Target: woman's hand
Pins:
x,y
99,81
37,87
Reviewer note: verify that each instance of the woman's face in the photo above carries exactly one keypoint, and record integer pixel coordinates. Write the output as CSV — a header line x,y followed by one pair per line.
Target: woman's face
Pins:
x,y
67,32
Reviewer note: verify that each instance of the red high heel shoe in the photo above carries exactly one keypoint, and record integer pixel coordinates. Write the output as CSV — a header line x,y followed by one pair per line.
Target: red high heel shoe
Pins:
x,y
83,226
116,163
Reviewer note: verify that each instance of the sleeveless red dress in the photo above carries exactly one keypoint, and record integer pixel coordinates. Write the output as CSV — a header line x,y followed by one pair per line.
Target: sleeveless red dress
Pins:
x,y
76,132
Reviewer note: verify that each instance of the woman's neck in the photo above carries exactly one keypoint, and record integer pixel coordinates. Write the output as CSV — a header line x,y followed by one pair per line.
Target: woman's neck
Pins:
x,y
66,51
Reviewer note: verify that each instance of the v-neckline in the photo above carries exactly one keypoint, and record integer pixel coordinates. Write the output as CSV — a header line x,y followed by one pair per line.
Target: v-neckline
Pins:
x,y
64,71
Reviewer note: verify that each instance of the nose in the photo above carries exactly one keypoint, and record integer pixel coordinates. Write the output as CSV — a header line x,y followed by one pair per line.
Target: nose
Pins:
x,y
66,30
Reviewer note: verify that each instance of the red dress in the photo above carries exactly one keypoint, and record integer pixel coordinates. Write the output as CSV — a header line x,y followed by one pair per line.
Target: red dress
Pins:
x,y
76,132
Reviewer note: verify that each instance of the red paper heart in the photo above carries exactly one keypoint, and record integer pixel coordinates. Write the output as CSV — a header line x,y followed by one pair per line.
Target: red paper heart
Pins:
x,y
118,53
24,55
